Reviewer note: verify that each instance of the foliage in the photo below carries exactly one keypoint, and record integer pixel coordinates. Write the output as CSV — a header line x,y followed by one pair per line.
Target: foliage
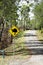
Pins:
x,y
25,14
8,10
38,12
40,35
8,14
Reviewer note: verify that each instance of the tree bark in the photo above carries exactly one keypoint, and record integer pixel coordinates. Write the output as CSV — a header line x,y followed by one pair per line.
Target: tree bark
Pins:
x,y
1,22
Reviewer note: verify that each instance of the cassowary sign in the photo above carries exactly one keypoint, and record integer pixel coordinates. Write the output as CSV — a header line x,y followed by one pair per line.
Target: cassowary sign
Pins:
x,y
14,31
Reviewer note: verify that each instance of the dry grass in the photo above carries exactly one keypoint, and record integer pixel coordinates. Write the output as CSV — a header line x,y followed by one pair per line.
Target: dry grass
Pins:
x,y
17,44
40,35
21,52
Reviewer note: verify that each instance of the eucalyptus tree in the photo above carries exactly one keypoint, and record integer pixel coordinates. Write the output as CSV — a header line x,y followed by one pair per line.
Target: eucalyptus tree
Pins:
x,y
8,14
38,12
25,13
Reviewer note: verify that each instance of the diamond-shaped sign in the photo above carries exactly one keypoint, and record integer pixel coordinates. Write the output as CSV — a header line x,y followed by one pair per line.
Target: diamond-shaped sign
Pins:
x,y
14,31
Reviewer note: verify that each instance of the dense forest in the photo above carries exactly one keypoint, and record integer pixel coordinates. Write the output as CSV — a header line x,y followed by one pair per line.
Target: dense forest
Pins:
x,y
11,13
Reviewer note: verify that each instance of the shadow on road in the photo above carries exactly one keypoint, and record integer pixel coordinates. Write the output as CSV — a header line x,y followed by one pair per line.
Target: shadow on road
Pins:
x,y
27,51
30,52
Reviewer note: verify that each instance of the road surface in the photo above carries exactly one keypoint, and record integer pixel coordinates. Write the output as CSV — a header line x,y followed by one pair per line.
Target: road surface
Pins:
x,y
32,42
36,48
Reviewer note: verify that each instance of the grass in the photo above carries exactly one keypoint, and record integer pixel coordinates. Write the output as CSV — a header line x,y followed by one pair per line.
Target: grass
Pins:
x,y
18,43
15,51
18,47
20,34
40,35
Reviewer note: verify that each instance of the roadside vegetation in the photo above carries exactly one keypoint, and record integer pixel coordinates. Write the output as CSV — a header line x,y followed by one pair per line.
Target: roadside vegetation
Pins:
x,y
40,35
18,47
13,14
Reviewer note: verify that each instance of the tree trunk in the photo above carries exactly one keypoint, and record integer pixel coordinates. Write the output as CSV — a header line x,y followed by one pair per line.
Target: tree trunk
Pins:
x,y
1,20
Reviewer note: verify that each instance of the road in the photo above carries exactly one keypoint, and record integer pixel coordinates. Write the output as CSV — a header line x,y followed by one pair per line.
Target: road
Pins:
x,y
36,48
32,42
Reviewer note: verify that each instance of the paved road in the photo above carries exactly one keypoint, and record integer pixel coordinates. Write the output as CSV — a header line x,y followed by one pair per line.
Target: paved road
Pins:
x,y
34,60
36,47
32,42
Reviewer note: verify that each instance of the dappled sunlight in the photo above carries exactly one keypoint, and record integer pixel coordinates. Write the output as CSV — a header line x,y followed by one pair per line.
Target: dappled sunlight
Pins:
x,y
21,32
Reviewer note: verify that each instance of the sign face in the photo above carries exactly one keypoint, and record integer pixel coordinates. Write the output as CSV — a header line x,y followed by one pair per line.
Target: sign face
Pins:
x,y
14,31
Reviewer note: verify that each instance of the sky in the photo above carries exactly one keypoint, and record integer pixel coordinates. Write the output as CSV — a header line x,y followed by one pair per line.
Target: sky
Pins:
x,y
24,2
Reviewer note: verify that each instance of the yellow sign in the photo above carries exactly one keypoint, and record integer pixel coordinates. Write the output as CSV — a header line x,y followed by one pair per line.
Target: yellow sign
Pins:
x,y
14,31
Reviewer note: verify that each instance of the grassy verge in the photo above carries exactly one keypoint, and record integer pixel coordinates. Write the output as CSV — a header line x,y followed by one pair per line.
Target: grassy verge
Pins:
x,y
40,35
20,34
15,51
18,44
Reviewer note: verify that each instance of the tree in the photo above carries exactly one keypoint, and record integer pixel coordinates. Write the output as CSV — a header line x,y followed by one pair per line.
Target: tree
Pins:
x,y
8,12
38,12
25,13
